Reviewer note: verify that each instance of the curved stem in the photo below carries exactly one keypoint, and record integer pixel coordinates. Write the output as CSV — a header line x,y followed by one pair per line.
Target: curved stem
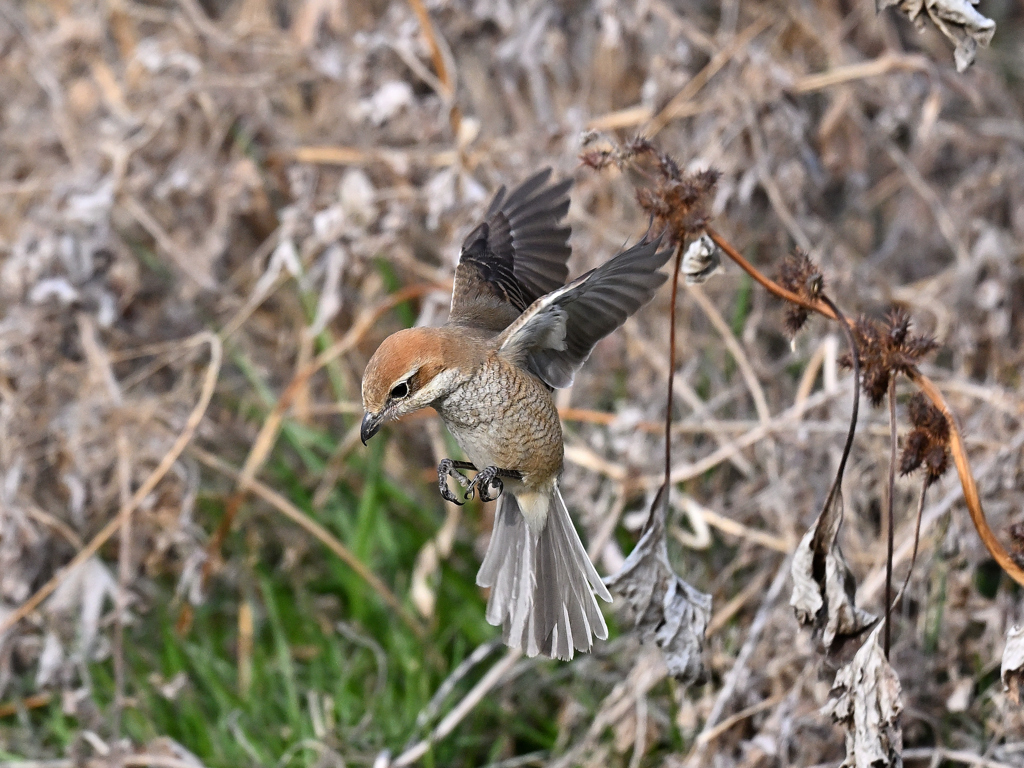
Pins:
x,y
855,356
821,306
963,469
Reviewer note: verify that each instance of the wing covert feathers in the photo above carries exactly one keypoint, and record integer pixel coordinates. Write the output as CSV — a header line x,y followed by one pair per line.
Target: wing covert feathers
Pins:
x,y
542,583
515,256
591,307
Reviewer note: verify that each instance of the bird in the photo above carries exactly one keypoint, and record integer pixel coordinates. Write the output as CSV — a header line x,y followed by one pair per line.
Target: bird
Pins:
x,y
515,333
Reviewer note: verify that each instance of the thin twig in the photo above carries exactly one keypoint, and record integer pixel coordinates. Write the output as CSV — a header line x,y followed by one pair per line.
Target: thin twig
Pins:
x,y
917,539
739,668
890,525
855,357
870,586
671,368
464,707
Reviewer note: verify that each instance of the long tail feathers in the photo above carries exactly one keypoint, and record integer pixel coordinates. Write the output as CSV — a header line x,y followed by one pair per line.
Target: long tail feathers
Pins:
x,y
542,582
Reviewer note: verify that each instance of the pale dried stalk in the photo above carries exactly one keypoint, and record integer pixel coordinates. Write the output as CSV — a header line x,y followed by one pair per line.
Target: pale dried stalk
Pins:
x,y
464,707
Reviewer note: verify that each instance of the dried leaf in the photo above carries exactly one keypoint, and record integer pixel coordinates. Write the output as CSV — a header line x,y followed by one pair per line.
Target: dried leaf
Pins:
x,y
823,586
666,609
956,19
866,700
701,260
1012,671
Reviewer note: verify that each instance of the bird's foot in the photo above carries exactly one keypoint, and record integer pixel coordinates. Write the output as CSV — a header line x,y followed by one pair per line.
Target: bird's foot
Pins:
x,y
485,479
449,468
489,478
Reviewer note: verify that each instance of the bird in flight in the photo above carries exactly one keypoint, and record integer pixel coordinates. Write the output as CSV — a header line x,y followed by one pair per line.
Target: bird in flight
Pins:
x,y
514,334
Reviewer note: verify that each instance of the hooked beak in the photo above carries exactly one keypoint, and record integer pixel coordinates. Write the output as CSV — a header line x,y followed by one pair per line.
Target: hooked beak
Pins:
x,y
370,427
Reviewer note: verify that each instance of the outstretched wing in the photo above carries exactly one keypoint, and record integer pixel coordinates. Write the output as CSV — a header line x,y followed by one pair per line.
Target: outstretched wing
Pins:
x,y
556,334
515,256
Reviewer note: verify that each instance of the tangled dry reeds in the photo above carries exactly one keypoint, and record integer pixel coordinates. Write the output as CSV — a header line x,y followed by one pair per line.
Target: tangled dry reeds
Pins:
x,y
211,210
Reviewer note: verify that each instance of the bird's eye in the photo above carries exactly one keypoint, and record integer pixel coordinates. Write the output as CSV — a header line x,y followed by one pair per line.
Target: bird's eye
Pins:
x,y
400,390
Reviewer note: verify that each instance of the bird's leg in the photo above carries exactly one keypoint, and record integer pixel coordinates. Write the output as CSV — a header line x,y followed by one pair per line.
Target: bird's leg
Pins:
x,y
488,477
449,468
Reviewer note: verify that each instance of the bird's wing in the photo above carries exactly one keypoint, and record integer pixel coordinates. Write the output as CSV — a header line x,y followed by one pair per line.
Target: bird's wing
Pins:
x,y
556,334
515,256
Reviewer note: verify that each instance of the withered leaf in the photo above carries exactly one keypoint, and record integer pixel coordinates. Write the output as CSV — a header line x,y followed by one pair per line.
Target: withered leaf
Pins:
x,y
665,608
866,701
956,19
701,260
1012,671
823,586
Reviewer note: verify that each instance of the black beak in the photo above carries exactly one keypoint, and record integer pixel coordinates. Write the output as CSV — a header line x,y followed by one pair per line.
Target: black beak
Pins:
x,y
370,427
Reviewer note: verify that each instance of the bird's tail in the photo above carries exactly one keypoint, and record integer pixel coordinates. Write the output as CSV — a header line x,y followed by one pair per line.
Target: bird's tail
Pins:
x,y
542,582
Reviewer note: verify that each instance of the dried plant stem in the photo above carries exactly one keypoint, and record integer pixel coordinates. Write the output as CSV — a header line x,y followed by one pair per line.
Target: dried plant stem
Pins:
x,y
427,27
855,411
101,538
766,282
463,708
963,467
736,350
967,481
917,539
890,525
671,369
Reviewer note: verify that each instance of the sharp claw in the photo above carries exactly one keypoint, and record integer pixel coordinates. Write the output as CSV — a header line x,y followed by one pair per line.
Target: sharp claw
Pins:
x,y
485,491
444,470
484,480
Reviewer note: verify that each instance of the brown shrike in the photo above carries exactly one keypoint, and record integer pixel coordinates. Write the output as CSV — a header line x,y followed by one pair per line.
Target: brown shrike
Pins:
x,y
514,334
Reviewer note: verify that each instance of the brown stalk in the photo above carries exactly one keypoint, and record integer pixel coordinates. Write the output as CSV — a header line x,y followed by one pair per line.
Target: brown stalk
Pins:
x,y
923,383
767,283
671,367
890,525
967,482
427,27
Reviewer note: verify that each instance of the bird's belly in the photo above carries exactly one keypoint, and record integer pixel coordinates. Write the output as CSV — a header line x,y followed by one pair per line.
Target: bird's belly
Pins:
x,y
513,427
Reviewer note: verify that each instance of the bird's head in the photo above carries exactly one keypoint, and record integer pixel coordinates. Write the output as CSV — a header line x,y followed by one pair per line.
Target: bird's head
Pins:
x,y
408,371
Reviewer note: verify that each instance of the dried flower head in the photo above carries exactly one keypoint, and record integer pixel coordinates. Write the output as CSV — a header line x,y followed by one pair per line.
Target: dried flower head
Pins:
x,y
677,202
885,348
799,275
1016,532
927,444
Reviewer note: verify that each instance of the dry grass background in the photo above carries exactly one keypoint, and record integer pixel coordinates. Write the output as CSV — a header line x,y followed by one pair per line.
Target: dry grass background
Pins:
x,y
185,181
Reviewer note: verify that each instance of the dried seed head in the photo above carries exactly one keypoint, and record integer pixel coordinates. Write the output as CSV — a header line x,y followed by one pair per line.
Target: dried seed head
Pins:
x,y
799,275
928,442
677,202
886,348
